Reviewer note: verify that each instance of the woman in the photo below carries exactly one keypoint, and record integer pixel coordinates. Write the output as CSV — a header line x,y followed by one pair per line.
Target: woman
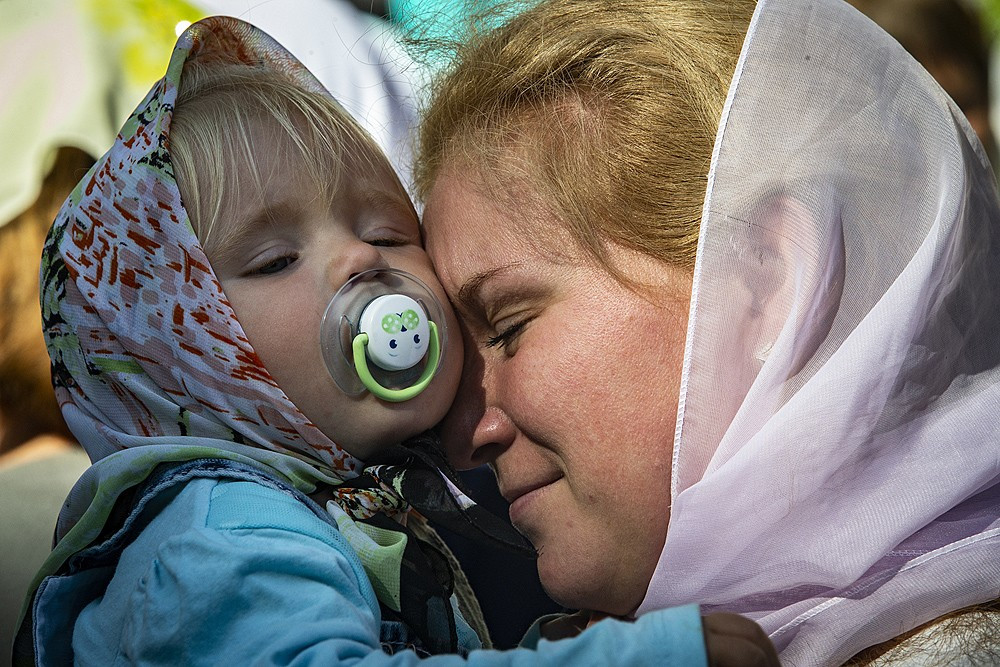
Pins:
x,y
724,271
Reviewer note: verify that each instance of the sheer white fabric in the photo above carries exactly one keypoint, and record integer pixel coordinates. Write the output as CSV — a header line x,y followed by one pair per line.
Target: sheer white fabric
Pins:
x,y
837,454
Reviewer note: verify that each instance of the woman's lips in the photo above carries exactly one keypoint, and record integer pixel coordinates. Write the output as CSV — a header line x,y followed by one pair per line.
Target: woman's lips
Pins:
x,y
523,497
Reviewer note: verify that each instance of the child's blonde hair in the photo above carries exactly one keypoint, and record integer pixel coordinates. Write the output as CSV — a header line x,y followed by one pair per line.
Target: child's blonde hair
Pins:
x,y
216,125
605,111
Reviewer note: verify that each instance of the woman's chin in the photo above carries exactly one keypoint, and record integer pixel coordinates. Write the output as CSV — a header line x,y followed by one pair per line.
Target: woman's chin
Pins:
x,y
582,588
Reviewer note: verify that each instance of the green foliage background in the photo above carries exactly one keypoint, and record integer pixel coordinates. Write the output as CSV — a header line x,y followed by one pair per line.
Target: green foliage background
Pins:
x,y
991,18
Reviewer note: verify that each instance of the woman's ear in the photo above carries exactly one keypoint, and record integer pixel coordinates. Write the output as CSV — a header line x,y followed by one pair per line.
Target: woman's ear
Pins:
x,y
797,278
769,304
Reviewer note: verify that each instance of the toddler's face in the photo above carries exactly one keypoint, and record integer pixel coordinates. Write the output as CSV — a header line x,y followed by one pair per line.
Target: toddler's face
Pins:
x,y
283,254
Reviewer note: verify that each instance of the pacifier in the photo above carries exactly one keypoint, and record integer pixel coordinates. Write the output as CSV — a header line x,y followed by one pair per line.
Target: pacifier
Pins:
x,y
383,332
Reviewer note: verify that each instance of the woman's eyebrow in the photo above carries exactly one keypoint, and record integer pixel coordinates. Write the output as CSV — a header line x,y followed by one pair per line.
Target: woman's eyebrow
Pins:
x,y
470,294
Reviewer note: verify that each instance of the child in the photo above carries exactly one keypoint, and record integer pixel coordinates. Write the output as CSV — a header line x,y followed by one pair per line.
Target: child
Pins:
x,y
184,287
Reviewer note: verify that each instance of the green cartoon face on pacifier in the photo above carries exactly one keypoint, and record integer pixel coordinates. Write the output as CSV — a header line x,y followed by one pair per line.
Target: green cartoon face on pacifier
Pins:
x,y
398,332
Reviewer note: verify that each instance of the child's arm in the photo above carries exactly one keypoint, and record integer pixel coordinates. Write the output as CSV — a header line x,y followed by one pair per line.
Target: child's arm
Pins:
x,y
262,581
731,640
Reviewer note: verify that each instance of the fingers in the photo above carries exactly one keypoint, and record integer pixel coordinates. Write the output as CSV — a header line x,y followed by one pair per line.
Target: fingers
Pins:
x,y
565,625
734,641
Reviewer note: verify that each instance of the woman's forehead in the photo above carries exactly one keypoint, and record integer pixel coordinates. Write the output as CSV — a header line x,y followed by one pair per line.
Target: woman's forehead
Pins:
x,y
469,219
481,247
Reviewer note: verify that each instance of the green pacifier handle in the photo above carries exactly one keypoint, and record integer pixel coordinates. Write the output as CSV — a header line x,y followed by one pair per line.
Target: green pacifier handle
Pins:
x,y
396,395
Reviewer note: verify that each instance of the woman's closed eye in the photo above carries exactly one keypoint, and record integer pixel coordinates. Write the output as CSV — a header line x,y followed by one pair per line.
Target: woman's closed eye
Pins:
x,y
506,338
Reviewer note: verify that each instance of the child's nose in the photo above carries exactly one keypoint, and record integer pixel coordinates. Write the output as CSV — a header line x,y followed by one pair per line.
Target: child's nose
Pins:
x,y
355,258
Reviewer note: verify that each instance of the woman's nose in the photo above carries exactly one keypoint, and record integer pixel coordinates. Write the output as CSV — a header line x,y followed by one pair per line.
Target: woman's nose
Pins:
x,y
472,438
476,430
493,435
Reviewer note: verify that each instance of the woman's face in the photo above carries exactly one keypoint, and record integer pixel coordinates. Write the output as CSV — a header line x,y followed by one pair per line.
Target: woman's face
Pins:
x,y
569,389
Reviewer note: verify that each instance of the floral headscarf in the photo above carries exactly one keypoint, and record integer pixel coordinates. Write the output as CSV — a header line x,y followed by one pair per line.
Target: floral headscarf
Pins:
x,y
150,363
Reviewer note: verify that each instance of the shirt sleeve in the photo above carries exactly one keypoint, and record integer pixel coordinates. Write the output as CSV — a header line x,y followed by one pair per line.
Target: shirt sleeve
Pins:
x,y
264,582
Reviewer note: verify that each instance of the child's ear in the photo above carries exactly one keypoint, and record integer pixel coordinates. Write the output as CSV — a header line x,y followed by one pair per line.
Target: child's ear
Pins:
x,y
797,287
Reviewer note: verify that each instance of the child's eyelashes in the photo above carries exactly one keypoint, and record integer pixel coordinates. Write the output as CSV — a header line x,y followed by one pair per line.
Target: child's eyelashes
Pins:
x,y
391,236
273,266
389,242
388,232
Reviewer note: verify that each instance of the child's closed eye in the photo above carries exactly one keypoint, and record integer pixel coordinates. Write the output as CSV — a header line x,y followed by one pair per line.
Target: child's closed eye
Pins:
x,y
274,265
392,234
389,242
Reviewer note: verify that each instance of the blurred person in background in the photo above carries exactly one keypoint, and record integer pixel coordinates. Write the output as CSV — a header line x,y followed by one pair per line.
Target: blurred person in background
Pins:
x,y
63,94
39,462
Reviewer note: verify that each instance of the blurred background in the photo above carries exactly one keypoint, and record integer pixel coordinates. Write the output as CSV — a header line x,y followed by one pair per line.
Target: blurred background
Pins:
x,y
71,72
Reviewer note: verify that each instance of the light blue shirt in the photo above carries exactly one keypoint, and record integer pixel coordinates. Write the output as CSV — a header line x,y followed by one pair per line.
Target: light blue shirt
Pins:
x,y
237,573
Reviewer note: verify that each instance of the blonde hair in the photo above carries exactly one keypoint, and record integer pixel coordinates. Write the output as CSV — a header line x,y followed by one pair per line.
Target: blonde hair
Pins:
x,y
216,126
603,112
968,634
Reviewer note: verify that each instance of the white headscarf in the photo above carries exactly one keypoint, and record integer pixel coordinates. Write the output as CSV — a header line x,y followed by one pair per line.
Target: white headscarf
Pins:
x,y
837,454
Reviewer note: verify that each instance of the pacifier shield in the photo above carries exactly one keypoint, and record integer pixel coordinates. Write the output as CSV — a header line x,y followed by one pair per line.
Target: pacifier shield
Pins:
x,y
398,334
403,329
